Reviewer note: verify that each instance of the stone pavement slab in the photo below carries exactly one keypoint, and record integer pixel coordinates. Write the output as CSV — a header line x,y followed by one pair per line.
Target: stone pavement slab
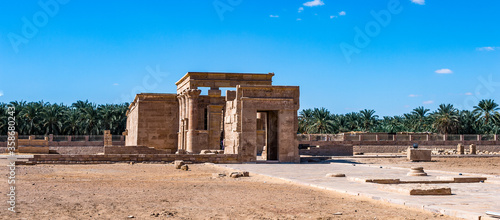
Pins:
x,y
468,200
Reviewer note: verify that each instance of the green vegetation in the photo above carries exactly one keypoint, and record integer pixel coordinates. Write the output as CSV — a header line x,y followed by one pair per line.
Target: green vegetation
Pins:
x,y
81,118
86,118
485,119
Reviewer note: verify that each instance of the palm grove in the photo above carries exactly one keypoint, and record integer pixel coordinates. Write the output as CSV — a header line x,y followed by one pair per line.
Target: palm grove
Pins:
x,y
86,118
80,118
484,119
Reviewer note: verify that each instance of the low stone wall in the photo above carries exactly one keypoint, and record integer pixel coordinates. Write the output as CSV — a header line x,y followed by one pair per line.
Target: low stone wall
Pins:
x,y
81,150
110,158
134,150
328,150
33,149
399,148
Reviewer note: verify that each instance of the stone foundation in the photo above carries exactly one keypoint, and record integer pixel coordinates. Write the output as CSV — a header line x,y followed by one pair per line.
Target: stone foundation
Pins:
x,y
111,158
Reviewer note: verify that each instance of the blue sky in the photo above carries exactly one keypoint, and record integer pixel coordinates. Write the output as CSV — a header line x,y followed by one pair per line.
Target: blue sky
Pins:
x,y
429,52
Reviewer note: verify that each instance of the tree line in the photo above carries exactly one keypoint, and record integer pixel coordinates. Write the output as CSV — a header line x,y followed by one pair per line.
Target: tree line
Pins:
x,y
446,119
79,118
87,118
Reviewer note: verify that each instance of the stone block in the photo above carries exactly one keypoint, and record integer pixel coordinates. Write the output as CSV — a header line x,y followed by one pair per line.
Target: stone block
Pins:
x,y
419,154
178,164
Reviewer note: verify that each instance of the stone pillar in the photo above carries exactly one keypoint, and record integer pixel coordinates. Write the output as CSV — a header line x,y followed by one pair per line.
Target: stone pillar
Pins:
x,y
495,137
360,137
377,138
410,137
472,149
427,138
460,149
181,133
445,137
192,100
69,138
479,137
108,138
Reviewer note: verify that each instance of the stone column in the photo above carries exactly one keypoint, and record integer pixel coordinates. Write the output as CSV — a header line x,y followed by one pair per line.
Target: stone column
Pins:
x,y
479,137
472,149
427,138
180,139
495,137
192,100
460,149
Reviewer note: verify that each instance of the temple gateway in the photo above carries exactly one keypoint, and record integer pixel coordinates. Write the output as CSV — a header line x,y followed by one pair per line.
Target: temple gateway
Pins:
x,y
254,119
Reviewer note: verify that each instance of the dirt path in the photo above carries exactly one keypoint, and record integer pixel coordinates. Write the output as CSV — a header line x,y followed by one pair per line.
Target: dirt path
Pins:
x,y
116,191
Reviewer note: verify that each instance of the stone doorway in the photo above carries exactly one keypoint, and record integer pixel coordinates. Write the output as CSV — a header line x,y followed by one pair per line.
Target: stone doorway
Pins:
x,y
267,135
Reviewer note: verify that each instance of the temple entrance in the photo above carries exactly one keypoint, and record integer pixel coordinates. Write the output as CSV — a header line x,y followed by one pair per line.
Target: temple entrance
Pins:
x,y
267,135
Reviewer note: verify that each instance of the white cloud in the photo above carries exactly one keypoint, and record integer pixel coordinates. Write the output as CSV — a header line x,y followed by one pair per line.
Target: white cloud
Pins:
x,y
413,95
298,19
444,71
274,16
333,16
428,102
301,9
314,3
342,13
487,48
115,84
468,93
420,2
1,93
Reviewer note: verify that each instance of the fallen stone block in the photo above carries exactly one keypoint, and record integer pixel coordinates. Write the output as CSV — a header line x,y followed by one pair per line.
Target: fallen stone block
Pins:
x,y
178,164
335,175
185,167
236,175
413,190
419,154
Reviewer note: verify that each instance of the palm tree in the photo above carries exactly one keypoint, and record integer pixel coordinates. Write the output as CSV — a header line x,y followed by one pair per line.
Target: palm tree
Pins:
x,y
486,109
72,123
321,122
31,114
52,119
469,123
305,117
368,119
3,119
446,119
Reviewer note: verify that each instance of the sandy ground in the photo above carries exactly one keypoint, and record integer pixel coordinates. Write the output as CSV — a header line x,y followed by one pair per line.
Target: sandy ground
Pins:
x,y
158,191
489,165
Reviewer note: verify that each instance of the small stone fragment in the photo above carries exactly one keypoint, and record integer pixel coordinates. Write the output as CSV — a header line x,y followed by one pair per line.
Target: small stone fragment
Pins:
x,y
185,167
178,164
236,175
335,175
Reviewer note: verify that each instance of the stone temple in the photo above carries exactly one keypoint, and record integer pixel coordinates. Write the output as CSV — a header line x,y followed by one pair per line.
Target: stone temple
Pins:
x,y
253,118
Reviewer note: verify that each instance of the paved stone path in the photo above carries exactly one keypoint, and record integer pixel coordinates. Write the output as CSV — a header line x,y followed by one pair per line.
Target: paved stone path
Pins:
x,y
468,200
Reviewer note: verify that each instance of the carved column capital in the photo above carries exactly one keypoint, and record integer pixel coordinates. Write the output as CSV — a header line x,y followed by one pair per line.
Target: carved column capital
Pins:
x,y
192,93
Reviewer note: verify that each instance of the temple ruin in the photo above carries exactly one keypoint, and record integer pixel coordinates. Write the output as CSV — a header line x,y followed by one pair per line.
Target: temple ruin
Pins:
x,y
254,118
